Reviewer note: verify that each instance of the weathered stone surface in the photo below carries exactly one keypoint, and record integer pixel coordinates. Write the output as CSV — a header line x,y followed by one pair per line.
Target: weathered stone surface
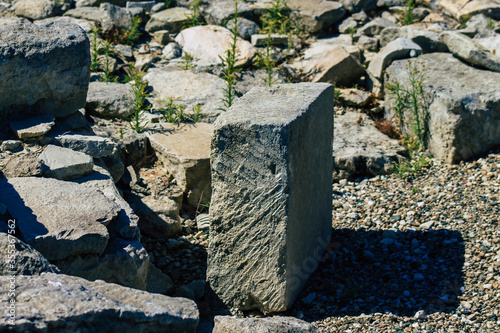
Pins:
x,y
221,11
93,145
157,282
18,258
246,27
210,42
190,88
428,40
61,303
162,37
274,39
45,67
185,152
276,324
93,14
110,99
65,164
470,51
271,216
11,145
114,16
375,27
491,43
32,127
314,15
170,19
34,10
360,148
84,24
463,8
54,218
25,165
330,63
367,43
398,49
464,119
12,20
125,262
355,97
158,217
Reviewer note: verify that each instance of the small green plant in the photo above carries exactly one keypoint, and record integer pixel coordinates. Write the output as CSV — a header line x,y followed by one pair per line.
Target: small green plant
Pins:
x,y
194,19
188,61
108,75
121,133
463,21
276,20
196,116
95,46
491,23
352,32
229,64
139,106
412,166
336,95
173,112
408,18
266,60
132,35
410,106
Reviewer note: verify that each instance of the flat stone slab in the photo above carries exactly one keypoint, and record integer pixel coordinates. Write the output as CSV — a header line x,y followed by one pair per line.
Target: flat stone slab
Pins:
x,y
58,218
464,119
271,208
32,127
227,324
57,302
185,152
93,145
65,164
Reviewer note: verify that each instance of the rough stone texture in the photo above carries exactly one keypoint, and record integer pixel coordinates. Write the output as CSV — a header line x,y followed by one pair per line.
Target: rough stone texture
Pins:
x,y
32,127
159,218
11,145
221,11
190,88
45,67
470,51
463,8
370,44
271,214
110,99
157,282
428,40
185,153
274,39
114,16
84,24
58,218
398,49
92,14
314,15
18,258
277,324
210,42
61,303
491,43
34,10
464,106
375,27
93,145
330,63
65,164
360,148
355,97
246,27
12,20
170,19
25,165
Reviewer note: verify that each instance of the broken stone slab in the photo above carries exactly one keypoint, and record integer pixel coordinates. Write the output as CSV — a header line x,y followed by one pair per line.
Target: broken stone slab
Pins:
x,y
355,97
330,63
189,88
470,51
397,49
158,217
171,19
462,105
114,16
222,11
270,216
466,8
93,145
56,302
11,145
12,20
185,152
275,324
65,164
246,27
428,40
93,14
375,27
314,15
34,10
274,39
58,218
125,262
360,149
54,57
210,42
25,165
18,258
32,127
84,24
110,99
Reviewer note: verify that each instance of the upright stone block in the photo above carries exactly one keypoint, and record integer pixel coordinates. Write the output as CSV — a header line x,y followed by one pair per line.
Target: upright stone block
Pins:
x,y
271,205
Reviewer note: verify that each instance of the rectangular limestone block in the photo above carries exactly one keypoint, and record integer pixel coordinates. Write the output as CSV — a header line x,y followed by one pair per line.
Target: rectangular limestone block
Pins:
x,y
271,208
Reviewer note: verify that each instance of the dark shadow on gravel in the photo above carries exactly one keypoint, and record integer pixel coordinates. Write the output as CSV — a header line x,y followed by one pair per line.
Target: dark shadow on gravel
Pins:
x,y
416,270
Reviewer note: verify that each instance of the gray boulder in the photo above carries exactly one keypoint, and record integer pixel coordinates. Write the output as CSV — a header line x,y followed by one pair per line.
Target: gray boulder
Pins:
x,y
428,40
93,145
92,14
65,164
270,215
110,99
462,105
170,19
314,15
159,217
34,10
60,303
54,58
398,49
375,27
246,27
25,165
53,218
276,324
470,51
360,149
221,11
114,16
18,258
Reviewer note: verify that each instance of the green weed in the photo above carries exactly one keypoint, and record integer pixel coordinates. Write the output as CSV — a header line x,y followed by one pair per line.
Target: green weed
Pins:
x,y
277,20
132,35
108,75
194,19
416,164
408,18
139,107
95,46
188,62
266,60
